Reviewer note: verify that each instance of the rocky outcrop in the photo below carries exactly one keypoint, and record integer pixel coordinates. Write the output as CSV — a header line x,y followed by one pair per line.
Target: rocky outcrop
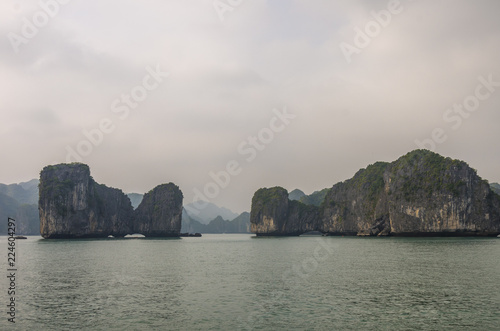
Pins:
x,y
274,214
357,206
430,194
420,194
72,205
160,212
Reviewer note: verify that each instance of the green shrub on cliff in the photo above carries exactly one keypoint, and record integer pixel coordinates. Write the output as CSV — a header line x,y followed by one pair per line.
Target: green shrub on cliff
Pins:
x,y
371,179
269,196
424,172
370,182
421,192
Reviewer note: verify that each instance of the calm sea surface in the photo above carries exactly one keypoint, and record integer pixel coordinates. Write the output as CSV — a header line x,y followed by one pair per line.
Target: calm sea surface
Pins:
x,y
231,282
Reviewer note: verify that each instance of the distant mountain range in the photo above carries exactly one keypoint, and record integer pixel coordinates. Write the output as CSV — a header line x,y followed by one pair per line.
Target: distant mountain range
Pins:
x,y
24,193
209,212
135,199
315,198
20,201
240,224
495,187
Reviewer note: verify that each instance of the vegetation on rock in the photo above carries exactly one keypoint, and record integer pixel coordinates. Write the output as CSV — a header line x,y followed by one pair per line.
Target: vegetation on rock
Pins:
x,y
73,205
420,193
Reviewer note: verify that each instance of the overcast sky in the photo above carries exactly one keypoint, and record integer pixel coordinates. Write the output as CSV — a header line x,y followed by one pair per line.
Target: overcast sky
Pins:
x,y
345,99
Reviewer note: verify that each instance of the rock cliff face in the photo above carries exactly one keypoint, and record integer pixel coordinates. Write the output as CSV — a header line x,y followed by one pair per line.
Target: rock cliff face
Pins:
x,y
274,214
72,205
160,212
420,194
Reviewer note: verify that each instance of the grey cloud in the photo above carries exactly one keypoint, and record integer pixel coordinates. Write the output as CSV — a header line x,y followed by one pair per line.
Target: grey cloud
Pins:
x,y
227,77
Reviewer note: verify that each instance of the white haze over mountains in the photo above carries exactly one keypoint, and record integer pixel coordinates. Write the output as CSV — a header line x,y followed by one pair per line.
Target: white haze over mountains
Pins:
x,y
210,212
412,79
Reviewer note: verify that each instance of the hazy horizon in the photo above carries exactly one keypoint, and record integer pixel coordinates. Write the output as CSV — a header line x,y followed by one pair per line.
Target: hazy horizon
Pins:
x,y
225,99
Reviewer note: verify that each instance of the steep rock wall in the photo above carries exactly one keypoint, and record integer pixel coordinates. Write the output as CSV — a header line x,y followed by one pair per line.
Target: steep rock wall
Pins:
x,y
420,194
72,205
160,212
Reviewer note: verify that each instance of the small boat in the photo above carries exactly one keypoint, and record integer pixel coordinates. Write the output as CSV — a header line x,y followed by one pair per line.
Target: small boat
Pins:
x,y
190,234
20,237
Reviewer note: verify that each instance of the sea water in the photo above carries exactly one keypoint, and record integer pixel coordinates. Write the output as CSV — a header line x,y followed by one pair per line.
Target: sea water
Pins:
x,y
241,282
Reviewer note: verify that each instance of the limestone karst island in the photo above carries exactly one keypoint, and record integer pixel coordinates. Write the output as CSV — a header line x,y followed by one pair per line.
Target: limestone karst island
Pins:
x,y
420,194
73,205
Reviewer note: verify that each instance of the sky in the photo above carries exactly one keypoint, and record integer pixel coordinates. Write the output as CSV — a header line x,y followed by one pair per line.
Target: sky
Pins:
x,y
225,97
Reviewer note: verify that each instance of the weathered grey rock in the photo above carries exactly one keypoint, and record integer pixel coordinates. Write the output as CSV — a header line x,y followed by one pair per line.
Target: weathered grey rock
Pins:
x,y
420,194
273,214
433,195
160,212
73,205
